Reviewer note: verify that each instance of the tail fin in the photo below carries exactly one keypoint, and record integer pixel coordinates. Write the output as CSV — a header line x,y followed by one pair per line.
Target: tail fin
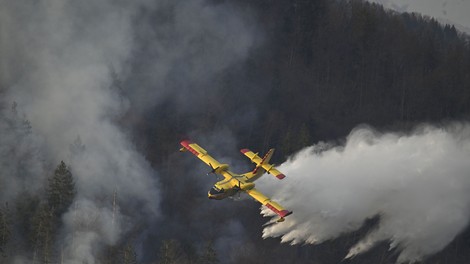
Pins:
x,y
262,165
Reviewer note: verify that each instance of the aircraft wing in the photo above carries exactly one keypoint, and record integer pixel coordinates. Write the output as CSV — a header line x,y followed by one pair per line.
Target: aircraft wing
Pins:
x,y
202,154
275,207
262,164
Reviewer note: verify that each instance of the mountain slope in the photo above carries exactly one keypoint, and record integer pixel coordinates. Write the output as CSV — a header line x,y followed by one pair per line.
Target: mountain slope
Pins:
x,y
454,12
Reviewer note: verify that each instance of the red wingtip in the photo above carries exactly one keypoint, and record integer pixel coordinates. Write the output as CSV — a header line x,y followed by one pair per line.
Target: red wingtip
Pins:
x,y
285,213
281,176
185,142
244,150
282,213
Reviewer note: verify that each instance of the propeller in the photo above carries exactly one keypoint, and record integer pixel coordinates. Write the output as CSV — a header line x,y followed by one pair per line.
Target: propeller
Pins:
x,y
213,171
239,187
238,191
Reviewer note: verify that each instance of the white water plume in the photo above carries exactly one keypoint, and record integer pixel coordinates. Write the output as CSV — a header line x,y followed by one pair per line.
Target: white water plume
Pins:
x,y
418,183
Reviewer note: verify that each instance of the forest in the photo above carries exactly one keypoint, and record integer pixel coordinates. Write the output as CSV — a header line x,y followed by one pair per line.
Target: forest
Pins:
x,y
313,71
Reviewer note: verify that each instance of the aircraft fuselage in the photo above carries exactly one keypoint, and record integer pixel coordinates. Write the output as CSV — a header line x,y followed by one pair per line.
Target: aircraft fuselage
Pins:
x,y
236,183
230,187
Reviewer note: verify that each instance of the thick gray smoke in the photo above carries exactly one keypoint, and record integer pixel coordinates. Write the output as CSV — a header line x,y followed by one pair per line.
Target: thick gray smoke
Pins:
x,y
418,183
22,157
179,59
75,67
57,63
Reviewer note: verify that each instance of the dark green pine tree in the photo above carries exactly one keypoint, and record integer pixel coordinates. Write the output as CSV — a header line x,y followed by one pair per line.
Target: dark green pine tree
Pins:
x,y
208,256
5,228
171,252
129,255
26,207
42,235
61,190
303,139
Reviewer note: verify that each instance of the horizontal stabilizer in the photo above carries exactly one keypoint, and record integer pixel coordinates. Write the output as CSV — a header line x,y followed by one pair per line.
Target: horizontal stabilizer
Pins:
x,y
263,163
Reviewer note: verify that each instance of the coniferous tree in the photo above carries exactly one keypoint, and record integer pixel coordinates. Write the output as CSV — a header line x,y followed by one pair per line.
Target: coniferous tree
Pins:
x,y
42,235
26,207
129,255
171,252
61,190
77,147
209,255
286,145
5,228
303,139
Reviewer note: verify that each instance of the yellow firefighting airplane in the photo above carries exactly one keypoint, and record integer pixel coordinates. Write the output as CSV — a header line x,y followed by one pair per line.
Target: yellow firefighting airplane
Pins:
x,y
235,183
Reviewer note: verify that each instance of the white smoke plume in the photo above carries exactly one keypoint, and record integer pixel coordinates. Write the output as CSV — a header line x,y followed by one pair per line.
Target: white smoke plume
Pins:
x,y
57,62
418,183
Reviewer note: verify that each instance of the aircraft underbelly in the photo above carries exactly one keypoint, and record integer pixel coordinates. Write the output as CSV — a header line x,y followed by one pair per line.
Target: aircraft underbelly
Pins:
x,y
220,196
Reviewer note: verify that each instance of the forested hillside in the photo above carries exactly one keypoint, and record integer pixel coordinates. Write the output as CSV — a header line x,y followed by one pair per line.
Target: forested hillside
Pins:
x,y
325,66
283,74
322,68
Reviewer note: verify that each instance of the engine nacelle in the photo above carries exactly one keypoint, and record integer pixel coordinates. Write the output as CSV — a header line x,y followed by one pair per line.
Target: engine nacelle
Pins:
x,y
247,186
221,168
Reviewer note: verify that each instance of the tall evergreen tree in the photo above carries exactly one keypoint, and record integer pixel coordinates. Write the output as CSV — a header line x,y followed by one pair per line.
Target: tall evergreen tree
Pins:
x,y
209,255
26,207
61,190
42,235
129,255
5,228
171,253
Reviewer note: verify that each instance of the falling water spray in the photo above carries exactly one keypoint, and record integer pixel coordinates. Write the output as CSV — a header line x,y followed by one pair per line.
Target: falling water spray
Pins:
x,y
418,184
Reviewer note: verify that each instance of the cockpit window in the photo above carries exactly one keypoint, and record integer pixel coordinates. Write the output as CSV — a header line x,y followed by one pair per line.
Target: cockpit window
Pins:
x,y
215,190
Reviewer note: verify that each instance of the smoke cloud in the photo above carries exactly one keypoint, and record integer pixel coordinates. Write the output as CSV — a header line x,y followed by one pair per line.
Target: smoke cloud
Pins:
x,y
58,59
22,156
179,60
418,183
74,68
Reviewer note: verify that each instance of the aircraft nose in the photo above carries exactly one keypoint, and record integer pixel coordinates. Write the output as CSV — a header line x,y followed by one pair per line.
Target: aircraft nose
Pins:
x,y
210,196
